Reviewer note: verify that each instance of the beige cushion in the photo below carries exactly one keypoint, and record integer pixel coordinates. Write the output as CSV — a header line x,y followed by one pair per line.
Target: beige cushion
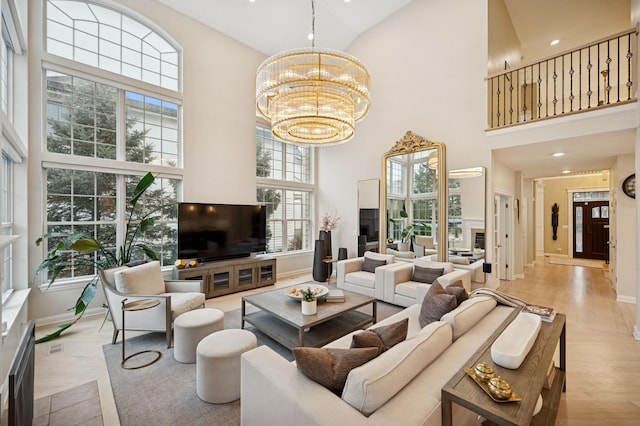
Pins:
x,y
184,302
402,254
142,279
435,304
371,385
468,314
459,260
330,366
383,338
361,278
424,240
447,266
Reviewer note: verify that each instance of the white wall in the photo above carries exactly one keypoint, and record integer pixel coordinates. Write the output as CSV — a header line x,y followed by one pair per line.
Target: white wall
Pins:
x,y
623,232
427,65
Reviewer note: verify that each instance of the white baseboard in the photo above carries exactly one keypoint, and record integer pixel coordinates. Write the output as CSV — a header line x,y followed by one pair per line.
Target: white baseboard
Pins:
x,y
626,299
636,333
67,316
518,276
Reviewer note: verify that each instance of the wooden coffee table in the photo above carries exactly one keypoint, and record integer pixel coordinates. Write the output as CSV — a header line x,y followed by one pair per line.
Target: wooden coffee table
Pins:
x,y
280,317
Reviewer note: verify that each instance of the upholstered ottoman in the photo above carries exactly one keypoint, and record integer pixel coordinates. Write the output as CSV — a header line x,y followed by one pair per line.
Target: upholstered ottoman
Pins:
x,y
191,327
218,364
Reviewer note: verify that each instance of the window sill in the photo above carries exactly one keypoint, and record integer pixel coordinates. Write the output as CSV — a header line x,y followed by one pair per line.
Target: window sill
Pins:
x,y
11,308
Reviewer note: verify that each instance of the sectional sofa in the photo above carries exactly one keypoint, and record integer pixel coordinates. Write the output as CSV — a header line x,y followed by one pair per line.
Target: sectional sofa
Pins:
x,y
402,386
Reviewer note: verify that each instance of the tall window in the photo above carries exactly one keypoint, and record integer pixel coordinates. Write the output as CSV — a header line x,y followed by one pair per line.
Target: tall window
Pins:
x,y
6,222
104,132
285,186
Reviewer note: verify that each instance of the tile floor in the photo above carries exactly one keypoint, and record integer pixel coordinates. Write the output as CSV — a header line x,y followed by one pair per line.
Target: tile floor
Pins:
x,y
76,406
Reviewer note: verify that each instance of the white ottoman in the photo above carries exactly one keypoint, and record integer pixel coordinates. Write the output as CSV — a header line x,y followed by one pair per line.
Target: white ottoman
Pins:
x,y
191,327
218,364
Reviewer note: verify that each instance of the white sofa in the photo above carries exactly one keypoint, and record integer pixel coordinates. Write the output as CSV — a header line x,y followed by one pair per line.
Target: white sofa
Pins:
x,y
396,388
351,277
400,289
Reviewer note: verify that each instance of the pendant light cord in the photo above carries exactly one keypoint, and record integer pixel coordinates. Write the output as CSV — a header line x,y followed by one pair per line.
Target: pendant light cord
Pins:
x,y
313,24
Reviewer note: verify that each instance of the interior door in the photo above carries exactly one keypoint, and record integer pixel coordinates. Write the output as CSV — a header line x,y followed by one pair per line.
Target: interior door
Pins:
x,y
497,231
591,230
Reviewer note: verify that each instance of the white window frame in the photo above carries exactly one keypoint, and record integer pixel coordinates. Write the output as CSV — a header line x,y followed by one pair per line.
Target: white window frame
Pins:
x,y
118,166
289,185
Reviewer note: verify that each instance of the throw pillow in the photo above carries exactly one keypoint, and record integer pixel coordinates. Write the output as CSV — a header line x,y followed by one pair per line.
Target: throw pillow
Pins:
x,y
426,275
435,304
383,338
331,366
458,291
370,265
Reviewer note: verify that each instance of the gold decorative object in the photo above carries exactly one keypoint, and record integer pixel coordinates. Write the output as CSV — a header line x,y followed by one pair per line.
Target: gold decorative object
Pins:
x,y
193,263
484,371
313,96
181,263
497,388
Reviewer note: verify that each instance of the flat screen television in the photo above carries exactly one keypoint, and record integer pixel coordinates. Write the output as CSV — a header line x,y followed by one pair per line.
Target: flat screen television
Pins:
x,y
220,231
369,224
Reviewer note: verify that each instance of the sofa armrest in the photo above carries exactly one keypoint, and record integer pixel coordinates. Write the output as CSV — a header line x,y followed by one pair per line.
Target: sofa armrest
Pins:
x,y
347,266
274,392
400,273
184,286
456,274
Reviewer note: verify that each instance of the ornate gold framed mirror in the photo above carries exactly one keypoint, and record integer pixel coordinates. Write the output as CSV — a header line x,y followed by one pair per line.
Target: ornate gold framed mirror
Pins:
x,y
414,194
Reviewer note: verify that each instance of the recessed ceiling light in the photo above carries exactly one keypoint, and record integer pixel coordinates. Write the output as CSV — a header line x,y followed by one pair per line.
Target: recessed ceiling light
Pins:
x,y
347,1
310,36
252,1
558,154
566,172
554,42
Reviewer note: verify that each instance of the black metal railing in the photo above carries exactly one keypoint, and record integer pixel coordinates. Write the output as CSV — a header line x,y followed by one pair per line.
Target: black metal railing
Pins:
x,y
596,75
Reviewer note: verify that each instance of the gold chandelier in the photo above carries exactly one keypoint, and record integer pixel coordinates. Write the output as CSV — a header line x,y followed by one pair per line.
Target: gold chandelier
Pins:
x,y
313,96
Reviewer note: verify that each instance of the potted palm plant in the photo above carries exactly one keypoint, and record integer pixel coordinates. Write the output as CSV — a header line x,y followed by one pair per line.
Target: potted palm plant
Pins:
x,y
76,249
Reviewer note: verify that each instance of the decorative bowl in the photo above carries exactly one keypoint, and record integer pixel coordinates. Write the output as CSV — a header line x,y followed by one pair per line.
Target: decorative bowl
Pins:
x,y
499,388
295,292
484,371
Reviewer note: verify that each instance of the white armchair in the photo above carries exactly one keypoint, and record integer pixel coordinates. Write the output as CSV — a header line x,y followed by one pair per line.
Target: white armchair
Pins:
x,y
423,245
401,289
146,282
352,277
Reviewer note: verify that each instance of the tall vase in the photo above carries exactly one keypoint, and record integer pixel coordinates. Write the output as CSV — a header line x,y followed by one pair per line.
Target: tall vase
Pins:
x,y
319,267
326,237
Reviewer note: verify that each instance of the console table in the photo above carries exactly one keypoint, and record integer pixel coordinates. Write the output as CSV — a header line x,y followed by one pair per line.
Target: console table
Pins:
x,y
527,381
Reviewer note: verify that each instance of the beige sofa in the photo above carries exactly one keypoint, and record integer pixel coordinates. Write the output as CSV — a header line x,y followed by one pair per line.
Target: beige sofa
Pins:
x,y
400,289
402,386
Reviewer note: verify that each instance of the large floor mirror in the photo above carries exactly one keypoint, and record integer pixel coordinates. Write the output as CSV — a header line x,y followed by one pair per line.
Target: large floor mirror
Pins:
x,y
466,215
368,215
414,197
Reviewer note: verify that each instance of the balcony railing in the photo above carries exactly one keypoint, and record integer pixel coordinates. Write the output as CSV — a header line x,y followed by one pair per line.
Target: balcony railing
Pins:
x,y
597,75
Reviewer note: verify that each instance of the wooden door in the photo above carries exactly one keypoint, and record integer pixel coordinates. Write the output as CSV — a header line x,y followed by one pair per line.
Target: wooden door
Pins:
x,y
591,230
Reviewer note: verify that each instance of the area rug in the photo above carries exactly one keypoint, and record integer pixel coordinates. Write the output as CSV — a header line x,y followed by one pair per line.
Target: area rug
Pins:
x,y
164,393
589,263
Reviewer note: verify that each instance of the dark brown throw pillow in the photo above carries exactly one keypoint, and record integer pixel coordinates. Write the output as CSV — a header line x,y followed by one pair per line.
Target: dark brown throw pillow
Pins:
x,y
426,275
331,366
458,291
383,338
435,304
370,265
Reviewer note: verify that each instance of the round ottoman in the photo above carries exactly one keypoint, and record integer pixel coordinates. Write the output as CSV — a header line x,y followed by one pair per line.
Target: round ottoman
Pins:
x,y
218,364
191,327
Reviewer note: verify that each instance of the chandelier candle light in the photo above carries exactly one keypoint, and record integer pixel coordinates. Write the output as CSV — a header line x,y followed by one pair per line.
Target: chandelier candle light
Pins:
x,y
313,96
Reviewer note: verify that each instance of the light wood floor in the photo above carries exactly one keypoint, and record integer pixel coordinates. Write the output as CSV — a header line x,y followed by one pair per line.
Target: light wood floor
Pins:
x,y
603,359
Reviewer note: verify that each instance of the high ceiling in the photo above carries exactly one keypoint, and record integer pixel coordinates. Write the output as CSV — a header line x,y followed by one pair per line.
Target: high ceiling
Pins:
x,y
271,26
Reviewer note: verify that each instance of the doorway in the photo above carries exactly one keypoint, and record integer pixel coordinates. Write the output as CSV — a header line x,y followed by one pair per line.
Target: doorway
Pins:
x,y
502,228
591,230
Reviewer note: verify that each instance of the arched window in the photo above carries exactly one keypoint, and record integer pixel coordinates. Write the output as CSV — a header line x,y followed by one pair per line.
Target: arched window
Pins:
x,y
113,113
107,39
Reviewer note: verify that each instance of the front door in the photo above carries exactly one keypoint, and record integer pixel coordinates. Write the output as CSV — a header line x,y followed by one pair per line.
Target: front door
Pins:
x,y
591,230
